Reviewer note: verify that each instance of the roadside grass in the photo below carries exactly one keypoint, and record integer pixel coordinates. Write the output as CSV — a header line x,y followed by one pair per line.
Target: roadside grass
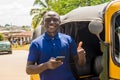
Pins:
x,y
18,47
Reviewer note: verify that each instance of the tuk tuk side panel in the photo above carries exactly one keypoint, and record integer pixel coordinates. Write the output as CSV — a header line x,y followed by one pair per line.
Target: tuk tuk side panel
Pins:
x,y
104,74
34,77
114,70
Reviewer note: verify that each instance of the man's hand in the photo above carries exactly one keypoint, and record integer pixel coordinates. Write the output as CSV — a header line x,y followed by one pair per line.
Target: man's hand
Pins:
x,y
52,63
81,54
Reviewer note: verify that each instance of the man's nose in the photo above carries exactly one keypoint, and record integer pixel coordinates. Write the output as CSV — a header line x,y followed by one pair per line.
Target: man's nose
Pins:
x,y
51,21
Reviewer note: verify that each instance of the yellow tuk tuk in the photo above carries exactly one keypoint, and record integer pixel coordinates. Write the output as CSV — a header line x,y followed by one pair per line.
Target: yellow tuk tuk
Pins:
x,y
99,29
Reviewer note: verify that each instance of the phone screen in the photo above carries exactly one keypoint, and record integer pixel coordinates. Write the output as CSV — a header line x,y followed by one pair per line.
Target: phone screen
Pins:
x,y
60,58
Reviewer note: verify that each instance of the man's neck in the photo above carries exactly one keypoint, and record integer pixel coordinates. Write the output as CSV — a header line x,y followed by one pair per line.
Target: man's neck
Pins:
x,y
52,34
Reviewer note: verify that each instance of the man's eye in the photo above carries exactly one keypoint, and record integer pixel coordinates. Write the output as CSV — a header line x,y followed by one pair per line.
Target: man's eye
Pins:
x,y
55,20
47,20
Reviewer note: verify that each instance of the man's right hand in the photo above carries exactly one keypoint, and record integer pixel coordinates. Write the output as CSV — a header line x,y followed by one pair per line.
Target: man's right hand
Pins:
x,y
52,63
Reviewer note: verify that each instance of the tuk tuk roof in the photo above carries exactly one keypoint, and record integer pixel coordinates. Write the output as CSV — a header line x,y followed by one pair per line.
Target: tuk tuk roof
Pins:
x,y
87,13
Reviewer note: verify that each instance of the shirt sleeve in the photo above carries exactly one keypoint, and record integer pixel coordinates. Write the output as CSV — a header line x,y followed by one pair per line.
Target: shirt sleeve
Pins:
x,y
73,47
33,55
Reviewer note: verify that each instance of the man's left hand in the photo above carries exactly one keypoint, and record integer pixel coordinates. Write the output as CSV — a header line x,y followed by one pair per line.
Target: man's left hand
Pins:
x,y
81,54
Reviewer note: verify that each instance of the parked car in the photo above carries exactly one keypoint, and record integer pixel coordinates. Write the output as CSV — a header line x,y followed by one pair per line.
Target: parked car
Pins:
x,y
5,47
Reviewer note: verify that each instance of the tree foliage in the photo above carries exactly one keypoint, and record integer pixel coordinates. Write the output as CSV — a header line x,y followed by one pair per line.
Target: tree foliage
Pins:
x,y
38,13
60,6
1,37
64,6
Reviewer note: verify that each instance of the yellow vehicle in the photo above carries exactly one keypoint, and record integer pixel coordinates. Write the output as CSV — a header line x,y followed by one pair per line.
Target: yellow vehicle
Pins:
x,y
99,29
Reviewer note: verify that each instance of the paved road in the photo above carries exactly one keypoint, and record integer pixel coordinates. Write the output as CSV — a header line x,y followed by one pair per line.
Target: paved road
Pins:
x,y
12,66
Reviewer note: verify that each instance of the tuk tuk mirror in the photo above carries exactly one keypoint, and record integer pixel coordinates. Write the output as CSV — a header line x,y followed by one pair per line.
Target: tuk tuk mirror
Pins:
x,y
96,27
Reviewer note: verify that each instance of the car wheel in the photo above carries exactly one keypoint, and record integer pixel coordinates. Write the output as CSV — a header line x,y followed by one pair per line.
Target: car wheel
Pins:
x,y
10,52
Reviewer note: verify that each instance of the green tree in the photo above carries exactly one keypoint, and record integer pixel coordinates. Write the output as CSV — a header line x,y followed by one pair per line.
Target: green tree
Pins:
x,y
7,25
1,37
64,6
39,12
60,6
91,2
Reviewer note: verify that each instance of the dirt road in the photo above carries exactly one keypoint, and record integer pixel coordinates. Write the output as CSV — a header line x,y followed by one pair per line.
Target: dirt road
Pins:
x,y
12,66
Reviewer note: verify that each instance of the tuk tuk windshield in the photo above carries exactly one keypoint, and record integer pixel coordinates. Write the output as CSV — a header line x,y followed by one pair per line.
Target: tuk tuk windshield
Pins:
x,y
117,39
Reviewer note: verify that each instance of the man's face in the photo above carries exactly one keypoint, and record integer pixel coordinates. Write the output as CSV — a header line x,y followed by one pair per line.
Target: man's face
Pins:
x,y
51,22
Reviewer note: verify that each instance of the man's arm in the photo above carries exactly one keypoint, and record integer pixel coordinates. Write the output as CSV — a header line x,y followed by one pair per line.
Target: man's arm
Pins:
x,y
80,58
31,68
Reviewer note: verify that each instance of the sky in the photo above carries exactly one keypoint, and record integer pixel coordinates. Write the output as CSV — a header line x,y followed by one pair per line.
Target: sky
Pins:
x,y
15,12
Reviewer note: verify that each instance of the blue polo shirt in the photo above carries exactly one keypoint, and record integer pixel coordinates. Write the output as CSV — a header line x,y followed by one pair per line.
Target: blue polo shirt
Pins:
x,y
45,47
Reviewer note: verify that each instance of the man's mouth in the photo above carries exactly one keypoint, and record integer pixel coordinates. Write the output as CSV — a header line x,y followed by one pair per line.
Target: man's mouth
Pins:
x,y
51,26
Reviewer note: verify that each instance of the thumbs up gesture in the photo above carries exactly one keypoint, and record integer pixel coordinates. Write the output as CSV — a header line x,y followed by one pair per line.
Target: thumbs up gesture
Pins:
x,y
79,45
81,54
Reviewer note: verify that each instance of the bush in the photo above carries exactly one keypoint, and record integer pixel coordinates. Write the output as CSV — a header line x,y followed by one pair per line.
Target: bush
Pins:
x,y
1,37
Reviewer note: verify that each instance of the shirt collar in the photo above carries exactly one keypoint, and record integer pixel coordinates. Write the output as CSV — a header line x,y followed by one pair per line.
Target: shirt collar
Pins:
x,y
47,37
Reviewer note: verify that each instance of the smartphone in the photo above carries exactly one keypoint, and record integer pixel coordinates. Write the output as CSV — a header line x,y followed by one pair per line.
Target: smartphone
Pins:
x,y
60,58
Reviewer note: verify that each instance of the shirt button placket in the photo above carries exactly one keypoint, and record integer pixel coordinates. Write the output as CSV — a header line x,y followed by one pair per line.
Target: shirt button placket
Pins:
x,y
53,47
